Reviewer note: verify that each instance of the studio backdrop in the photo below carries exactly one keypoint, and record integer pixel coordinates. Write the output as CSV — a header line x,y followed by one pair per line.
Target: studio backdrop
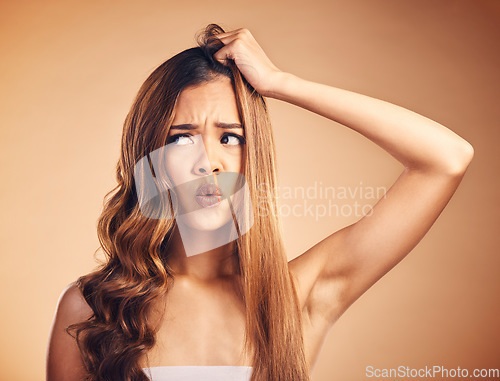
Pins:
x,y
70,71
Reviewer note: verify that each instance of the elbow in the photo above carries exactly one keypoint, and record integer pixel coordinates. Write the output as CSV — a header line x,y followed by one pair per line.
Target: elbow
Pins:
x,y
461,159
469,152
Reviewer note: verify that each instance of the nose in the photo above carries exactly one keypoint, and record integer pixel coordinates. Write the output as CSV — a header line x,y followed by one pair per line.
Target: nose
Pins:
x,y
202,171
209,161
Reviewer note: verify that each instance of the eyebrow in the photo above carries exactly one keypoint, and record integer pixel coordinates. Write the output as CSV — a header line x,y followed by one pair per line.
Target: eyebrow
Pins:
x,y
190,126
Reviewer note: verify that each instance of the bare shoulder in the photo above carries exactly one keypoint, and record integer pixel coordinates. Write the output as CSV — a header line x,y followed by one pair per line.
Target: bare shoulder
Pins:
x,y
63,360
72,304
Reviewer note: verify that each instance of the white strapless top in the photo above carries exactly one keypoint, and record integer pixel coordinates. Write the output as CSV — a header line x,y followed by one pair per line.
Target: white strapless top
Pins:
x,y
197,373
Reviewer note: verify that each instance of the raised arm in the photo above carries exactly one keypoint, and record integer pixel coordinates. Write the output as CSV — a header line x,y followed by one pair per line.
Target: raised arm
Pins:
x,y
335,272
345,264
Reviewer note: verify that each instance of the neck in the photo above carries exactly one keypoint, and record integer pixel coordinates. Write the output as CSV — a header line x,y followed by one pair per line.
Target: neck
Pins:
x,y
220,262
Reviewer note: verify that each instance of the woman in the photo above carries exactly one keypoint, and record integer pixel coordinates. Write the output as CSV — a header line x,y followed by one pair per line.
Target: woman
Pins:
x,y
196,284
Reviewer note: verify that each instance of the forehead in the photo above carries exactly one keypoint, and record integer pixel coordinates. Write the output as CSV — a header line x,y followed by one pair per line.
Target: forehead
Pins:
x,y
210,100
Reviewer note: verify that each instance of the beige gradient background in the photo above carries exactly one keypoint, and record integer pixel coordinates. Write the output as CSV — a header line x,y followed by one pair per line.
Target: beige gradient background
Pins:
x,y
70,70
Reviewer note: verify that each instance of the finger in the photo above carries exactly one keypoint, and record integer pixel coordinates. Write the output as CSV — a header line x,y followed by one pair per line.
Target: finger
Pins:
x,y
224,54
225,34
228,37
230,33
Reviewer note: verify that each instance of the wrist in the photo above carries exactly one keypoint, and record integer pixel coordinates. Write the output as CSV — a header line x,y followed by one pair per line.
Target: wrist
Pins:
x,y
279,84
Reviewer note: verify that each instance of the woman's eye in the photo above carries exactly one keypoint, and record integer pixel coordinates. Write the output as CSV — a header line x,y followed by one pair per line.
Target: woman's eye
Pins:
x,y
180,139
232,140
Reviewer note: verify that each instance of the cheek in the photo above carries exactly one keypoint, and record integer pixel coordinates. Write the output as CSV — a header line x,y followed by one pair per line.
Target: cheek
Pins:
x,y
177,166
178,174
236,161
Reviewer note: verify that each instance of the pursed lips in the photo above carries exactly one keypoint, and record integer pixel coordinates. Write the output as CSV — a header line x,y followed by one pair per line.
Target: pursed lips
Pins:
x,y
208,195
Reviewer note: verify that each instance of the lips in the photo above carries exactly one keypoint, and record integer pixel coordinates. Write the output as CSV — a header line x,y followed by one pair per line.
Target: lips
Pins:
x,y
208,195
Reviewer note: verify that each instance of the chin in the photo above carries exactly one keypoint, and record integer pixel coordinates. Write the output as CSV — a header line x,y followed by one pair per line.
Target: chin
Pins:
x,y
207,219
204,230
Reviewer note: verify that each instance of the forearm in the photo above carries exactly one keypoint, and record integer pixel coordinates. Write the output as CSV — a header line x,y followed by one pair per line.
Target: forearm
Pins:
x,y
414,140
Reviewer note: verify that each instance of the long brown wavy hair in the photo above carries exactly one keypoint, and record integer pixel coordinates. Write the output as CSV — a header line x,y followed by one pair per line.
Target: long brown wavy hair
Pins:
x,y
135,273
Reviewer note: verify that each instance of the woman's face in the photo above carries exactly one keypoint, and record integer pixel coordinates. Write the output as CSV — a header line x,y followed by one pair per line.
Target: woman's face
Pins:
x,y
206,138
